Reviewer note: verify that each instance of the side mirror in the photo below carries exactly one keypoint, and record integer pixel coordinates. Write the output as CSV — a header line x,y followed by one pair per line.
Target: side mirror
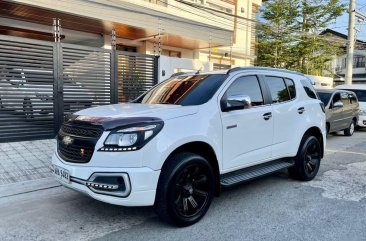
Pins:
x,y
338,104
236,102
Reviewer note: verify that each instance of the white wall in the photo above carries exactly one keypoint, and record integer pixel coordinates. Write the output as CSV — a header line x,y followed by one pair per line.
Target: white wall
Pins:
x,y
321,82
169,65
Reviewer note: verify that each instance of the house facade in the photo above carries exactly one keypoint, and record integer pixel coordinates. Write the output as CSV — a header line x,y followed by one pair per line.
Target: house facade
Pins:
x,y
194,34
338,64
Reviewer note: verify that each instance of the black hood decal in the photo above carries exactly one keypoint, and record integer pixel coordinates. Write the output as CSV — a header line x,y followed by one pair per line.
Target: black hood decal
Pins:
x,y
109,123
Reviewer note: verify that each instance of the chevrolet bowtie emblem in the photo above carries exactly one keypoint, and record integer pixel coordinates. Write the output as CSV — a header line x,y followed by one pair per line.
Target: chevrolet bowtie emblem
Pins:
x,y
67,140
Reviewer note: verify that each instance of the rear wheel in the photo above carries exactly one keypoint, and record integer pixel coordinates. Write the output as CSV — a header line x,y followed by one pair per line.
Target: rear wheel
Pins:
x,y
351,129
307,160
185,190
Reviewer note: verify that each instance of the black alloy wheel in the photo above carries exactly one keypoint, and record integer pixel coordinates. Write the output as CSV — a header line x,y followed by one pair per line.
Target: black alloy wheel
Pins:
x,y
307,160
185,189
191,191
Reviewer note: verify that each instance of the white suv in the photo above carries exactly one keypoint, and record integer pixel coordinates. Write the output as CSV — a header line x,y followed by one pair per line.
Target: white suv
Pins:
x,y
190,136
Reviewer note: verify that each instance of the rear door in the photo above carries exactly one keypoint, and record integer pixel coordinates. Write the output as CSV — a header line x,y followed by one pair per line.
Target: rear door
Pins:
x,y
347,113
286,116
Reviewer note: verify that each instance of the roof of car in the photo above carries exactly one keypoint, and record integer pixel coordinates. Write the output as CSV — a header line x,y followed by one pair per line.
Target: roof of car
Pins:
x,y
330,90
236,69
352,87
325,90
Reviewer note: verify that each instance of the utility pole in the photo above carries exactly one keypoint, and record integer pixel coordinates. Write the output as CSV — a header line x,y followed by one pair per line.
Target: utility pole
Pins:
x,y
351,41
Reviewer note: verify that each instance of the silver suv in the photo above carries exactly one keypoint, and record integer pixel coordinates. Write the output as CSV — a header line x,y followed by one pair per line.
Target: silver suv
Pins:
x,y
341,109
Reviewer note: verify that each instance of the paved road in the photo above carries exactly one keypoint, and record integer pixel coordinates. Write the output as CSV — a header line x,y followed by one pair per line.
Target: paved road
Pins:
x,y
332,207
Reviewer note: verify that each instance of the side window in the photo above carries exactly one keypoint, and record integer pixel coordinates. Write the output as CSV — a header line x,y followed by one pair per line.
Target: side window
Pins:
x,y
344,98
309,89
352,98
278,89
247,85
336,98
291,88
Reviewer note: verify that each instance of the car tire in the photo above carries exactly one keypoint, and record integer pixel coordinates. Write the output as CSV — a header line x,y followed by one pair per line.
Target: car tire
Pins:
x,y
351,129
185,189
28,109
307,160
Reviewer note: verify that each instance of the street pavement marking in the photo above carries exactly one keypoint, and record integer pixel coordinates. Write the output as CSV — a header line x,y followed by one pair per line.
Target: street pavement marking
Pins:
x,y
349,152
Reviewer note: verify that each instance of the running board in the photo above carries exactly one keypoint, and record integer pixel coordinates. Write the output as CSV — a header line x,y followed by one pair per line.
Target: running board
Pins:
x,y
249,173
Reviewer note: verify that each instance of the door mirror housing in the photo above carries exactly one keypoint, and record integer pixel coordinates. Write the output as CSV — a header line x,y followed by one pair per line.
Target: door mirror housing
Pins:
x,y
236,102
338,104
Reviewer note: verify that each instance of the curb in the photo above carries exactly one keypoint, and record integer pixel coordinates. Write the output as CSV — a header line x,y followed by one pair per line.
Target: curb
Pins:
x,y
27,186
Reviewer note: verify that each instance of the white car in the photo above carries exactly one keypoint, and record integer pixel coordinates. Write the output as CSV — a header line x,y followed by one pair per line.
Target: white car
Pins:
x,y
190,136
360,91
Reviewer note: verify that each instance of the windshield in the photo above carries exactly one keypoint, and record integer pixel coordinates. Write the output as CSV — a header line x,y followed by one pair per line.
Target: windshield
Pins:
x,y
361,95
324,97
184,90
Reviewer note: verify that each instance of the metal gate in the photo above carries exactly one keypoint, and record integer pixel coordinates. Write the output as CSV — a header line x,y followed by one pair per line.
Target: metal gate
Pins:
x,y
41,82
136,74
26,89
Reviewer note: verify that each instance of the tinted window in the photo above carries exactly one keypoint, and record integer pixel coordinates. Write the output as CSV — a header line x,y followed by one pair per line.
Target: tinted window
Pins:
x,y
309,89
247,85
278,89
352,98
336,98
184,90
361,95
324,97
291,88
345,98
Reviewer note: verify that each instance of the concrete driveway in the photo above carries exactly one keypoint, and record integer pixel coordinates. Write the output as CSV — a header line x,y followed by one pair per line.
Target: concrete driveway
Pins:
x,y
332,207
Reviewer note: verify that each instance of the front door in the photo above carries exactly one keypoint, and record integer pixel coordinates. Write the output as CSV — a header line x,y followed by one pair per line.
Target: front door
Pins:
x,y
336,117
247,133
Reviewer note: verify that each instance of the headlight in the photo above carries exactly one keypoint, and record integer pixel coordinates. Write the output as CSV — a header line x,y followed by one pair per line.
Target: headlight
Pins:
x,y
132,138
362,112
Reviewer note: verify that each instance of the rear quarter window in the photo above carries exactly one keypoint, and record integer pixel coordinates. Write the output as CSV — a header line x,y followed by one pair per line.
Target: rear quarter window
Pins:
x,y
309,89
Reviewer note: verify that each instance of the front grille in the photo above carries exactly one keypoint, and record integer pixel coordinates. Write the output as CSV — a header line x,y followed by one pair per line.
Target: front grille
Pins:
x,y
73,153
76,142
87,131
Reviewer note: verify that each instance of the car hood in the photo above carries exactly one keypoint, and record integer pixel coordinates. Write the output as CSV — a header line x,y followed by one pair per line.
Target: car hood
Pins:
x,y
122,110
362,105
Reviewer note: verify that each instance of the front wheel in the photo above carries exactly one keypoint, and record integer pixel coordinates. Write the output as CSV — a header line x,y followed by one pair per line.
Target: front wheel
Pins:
x,y
185,189
351,129
307,160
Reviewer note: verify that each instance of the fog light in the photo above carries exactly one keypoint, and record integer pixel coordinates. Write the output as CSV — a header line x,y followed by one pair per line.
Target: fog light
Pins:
x,y
114,184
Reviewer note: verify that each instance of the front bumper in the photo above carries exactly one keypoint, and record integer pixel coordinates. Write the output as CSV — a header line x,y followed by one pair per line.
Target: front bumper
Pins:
x,y
140,182
361,121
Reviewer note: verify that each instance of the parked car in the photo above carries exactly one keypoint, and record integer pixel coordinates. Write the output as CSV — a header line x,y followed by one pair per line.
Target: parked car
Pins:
x,y
30,92
341,109
360,91
182,141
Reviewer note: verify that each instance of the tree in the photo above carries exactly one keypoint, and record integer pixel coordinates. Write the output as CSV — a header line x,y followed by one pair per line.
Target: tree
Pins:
x,y
290,38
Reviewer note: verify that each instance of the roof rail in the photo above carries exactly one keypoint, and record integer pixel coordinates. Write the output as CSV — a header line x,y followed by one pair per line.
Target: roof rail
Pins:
x,y
262,68
179,73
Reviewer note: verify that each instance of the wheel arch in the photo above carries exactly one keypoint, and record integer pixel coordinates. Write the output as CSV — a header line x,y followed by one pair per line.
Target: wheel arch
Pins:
x,y
203,149
315,131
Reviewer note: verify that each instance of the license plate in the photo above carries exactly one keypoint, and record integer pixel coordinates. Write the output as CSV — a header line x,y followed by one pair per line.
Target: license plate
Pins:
x,y
61,173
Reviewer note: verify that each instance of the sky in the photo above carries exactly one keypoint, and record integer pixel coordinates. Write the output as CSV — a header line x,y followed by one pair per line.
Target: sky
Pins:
x,y
340,24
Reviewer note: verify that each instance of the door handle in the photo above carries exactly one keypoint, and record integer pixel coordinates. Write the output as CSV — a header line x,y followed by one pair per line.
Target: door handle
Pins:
x,y
301,110
267,115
